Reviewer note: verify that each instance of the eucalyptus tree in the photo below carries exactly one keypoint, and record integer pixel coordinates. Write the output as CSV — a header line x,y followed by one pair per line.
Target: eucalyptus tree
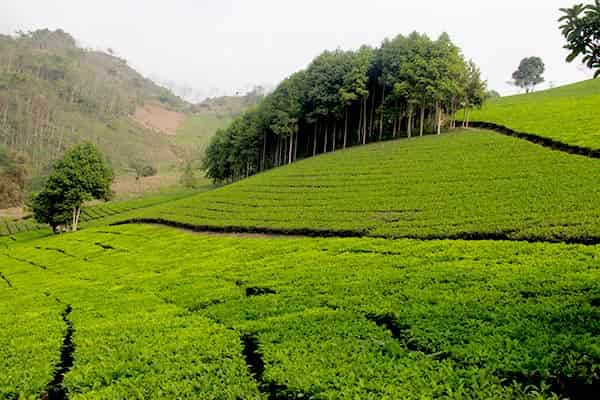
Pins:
x,y
475,92
355,88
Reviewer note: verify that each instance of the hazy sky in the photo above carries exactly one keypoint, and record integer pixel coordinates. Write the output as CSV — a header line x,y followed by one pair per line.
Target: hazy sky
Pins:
x,y
229,45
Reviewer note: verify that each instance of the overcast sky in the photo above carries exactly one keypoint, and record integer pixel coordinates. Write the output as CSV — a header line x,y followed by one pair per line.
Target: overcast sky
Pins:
x,y
223,46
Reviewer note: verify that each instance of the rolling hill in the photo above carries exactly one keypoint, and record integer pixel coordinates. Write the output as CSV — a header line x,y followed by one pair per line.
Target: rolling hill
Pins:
x,y
469,184
568,114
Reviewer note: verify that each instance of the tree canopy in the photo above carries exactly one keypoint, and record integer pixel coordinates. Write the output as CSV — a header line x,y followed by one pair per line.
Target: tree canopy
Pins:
x,y
529,74
81,175
581,27
343,98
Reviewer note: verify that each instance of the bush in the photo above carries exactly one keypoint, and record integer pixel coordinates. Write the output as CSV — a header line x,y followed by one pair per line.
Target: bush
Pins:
x,y
148,170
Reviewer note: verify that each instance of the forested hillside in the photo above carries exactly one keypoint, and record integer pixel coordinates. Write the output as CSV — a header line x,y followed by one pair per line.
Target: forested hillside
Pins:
x,y
54,94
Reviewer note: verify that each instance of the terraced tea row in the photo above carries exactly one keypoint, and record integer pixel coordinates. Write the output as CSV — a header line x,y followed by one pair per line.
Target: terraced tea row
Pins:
x,y
567,114
156,312
461,185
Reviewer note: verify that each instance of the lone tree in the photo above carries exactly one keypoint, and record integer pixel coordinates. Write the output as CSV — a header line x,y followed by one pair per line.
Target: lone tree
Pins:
x,y
81,175
529,73
581,27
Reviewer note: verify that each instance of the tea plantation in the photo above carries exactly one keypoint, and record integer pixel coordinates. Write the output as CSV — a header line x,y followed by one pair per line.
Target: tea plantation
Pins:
x,y
470,184
435,292
568,114
153,312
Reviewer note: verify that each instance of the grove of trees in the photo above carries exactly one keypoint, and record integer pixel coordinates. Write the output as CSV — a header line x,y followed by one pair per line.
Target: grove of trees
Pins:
x,y
409,86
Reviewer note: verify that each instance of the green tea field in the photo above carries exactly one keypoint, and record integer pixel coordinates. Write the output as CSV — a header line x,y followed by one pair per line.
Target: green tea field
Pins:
x,y
152,312
469,184
568,114
293,212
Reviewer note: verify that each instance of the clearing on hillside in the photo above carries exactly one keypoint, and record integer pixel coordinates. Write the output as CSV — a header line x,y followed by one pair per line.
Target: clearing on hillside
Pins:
x,y
146,312
469,184
568,114
158,118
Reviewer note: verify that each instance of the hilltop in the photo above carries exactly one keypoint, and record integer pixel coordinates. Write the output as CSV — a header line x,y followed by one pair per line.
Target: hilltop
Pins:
x,y
567,114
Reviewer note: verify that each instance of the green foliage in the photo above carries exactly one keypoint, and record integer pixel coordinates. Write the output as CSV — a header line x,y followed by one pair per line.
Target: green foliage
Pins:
x,y
94,215
581,28
161,313
346,98
567,114
466,184
529,74
143,170
188,178
81,175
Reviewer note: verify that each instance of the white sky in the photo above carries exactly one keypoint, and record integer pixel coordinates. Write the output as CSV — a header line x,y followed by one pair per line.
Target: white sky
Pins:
x,y
222,46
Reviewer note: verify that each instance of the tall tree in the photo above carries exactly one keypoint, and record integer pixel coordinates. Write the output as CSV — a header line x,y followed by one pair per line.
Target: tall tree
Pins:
x,y
529,74
81,175
581,28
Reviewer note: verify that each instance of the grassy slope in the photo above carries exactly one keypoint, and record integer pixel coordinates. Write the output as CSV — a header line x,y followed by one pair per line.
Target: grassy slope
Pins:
x,y
162,313
474,183
197,130
568,114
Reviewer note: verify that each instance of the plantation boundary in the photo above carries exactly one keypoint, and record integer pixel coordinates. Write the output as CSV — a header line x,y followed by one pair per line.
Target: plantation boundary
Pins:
x,y
537,139
56,389
252,231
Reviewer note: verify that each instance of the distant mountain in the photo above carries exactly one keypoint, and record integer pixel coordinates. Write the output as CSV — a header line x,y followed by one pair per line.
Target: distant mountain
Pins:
x,y
54,94
230,106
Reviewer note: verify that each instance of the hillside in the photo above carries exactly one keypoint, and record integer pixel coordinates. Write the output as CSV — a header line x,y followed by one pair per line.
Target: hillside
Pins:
x,y
470,184
568,114
54,94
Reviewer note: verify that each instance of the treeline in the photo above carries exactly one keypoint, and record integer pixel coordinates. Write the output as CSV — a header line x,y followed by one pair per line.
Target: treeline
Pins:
x,y
410,85
50,88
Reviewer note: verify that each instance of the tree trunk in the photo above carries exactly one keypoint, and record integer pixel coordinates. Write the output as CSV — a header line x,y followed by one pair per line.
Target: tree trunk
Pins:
x,y
382,110
73,227
326,134
334,136
345,127
364,135
422,121
291,148
315,139
438,114
77,215
359,129
264,152
371,124
410,122
295,145
395,126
